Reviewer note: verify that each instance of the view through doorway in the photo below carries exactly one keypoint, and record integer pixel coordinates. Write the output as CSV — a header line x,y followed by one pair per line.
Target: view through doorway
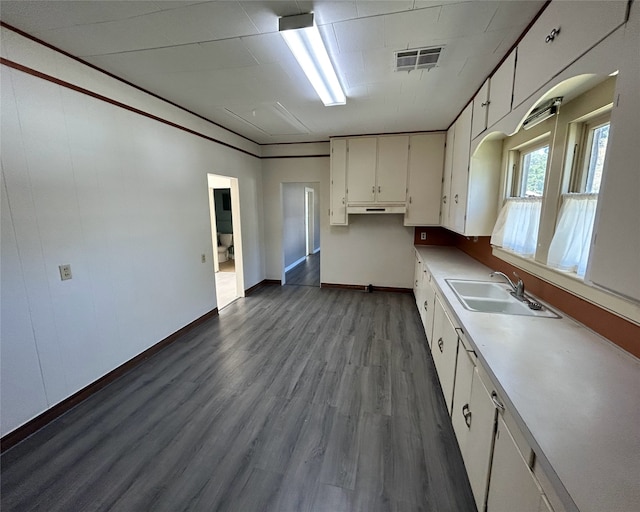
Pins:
x,y
301,234
224,207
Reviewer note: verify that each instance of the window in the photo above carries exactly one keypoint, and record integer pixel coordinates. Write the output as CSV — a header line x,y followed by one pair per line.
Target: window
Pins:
x,y
519,220
533,169
569,248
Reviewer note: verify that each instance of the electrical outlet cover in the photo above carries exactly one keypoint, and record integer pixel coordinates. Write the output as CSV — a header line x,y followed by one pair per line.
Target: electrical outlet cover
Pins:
x,y
423,236
65,272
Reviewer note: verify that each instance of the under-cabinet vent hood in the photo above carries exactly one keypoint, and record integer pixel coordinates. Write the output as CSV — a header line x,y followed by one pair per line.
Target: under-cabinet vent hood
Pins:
x,y
418,58
376,209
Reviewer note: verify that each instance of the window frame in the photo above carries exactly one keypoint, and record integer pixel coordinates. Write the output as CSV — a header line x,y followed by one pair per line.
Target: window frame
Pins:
x,y
515,182
582,150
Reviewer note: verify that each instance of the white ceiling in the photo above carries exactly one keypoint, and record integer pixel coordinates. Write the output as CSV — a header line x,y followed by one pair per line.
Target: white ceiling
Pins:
x,y
226,61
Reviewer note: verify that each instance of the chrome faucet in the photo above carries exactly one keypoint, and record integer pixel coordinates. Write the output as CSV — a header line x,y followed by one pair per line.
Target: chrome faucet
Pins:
x,y
518,289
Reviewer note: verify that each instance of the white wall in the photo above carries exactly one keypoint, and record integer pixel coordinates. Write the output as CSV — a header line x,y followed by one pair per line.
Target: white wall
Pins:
x,y
124,200
373,249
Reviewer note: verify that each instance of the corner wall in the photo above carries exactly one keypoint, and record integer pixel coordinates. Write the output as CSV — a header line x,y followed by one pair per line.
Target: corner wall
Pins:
x,y
121,197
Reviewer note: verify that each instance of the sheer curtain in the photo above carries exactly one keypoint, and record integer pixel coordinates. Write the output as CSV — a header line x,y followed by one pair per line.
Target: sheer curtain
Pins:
x,y
569,249
517,226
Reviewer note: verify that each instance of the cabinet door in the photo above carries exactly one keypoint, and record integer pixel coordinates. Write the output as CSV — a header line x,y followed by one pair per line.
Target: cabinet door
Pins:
x,y
480,108
460,170
417,276
542,55
501,90
445,203
444,349
426,162
512,485
338,182
460,412
361,170
479,443
391,177
428,306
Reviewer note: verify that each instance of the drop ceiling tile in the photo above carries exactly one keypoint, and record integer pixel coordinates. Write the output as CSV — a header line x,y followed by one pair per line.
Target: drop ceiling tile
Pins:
x,y
330,12
349,62
361,34
402,28
267,48
104,38
515,14
34,17
369,8
228,53
203,22
468,18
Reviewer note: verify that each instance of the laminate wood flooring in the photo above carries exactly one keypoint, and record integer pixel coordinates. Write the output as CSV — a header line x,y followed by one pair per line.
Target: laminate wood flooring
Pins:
x,y
294,399
306,273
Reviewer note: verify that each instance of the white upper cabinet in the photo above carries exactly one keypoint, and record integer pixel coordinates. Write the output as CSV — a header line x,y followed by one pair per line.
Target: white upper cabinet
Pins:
x,y
480,109
361,170
391,174
338,212
460,171
445,200
424,183
501,90
564,32
493,100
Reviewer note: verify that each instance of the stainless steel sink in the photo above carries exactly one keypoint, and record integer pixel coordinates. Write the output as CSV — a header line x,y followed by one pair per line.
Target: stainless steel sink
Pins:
x,y
493,297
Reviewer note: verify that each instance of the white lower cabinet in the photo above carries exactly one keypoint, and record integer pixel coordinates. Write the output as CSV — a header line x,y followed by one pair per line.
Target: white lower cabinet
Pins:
x,y
479,440
460,414
444,350
512,484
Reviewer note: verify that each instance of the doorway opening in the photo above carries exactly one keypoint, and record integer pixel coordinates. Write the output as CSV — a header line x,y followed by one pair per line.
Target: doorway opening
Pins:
x,y
301,234
226,235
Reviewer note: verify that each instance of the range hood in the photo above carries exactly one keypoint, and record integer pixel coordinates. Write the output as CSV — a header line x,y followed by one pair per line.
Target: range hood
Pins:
x,y
376,209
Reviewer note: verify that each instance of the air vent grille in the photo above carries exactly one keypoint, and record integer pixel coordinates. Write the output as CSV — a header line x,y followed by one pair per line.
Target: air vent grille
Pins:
x,y
419,58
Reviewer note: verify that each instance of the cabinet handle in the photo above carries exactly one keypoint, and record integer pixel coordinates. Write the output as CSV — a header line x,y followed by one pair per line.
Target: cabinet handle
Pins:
x,y
485,103
552,35
409,199
378,189
416,282
496,402
440,344
466,413
455,198
444,199
426,306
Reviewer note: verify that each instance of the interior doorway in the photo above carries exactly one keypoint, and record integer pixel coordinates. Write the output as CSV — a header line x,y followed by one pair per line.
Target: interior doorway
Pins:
x,y
226,235
301,233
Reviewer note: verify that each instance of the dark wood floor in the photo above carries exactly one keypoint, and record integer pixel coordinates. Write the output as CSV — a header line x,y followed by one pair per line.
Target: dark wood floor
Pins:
x,y
306,273
294,399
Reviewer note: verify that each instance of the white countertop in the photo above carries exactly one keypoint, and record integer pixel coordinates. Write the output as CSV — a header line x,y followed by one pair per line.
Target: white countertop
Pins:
x,y
575,395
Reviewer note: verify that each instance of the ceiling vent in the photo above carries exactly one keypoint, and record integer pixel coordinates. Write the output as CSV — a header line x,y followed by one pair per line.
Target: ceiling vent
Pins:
x,y
419,58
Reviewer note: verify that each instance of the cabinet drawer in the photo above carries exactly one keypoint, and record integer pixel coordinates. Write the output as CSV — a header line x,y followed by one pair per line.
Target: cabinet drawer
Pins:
x,y
581,25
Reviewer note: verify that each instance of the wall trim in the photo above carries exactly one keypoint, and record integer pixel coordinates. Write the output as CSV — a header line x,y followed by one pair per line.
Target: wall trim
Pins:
x,y
87,92
116,77
293,156
364,288
32,426
295,264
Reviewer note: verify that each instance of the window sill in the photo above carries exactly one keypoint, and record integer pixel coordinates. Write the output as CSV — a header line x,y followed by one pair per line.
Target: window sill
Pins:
x,y
573,284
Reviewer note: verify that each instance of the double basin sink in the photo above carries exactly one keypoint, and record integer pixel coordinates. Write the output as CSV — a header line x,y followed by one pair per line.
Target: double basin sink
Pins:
x,y
493,297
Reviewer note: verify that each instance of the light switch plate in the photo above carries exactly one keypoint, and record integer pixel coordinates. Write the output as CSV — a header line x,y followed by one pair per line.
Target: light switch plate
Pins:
x,y
65,272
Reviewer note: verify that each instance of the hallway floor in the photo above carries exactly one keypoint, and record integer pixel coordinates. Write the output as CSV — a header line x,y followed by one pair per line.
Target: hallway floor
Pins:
x,y
226,284
306,273
294,399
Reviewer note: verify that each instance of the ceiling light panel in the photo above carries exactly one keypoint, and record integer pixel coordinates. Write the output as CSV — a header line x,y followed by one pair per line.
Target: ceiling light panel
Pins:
x,y
304,40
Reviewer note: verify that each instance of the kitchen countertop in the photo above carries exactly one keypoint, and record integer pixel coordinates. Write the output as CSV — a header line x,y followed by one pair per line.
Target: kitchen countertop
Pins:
x,y
574,394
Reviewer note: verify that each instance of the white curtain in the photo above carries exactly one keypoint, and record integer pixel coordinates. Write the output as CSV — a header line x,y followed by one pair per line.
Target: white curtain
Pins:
x,y
569,249
517,226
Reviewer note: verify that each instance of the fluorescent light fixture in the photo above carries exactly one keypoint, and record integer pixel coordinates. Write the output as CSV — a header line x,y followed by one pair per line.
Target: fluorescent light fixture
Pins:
x,y
303,38
542,113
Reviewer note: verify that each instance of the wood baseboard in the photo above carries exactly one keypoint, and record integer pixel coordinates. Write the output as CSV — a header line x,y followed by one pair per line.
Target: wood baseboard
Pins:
x,y
264,282
35,424
364,288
